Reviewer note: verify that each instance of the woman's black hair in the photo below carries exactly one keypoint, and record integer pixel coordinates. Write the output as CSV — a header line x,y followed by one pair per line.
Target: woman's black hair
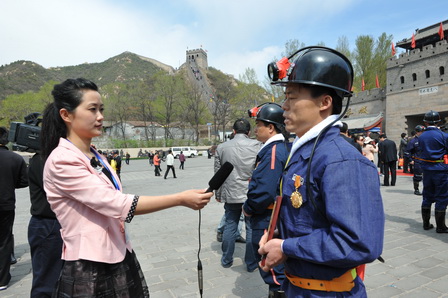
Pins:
x,y
67,95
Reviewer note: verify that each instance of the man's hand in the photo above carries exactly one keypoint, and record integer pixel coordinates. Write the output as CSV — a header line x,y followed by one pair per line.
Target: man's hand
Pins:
x,y
272,250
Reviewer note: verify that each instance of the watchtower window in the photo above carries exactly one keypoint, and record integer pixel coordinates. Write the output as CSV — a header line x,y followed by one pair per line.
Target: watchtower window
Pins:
x,y
414,77
427,73
442,70
402,79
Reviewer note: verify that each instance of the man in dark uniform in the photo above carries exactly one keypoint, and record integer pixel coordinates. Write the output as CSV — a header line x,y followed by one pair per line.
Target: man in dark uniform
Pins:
x,y
265,181
434,146
388,156
413,150
331,218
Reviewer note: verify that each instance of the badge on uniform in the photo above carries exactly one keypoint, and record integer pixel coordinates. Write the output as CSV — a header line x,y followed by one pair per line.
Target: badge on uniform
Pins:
x,y
296,196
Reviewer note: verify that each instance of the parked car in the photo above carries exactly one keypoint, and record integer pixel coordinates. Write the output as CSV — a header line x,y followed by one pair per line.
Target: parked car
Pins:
x,y
187,151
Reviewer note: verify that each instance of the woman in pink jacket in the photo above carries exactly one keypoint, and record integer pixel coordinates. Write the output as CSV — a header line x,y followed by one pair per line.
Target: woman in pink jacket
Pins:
x,y
85,194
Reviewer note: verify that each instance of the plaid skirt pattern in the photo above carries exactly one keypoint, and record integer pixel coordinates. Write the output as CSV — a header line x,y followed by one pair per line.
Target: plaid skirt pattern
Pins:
x,y
84,278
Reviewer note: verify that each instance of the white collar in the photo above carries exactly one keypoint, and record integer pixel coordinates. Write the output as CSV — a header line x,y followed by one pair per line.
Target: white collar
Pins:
x,y
277,137
313,132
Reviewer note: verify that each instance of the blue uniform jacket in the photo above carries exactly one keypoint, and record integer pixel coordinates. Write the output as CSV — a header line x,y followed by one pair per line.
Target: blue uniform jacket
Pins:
x,y
264,184
414,149
433,144
346,189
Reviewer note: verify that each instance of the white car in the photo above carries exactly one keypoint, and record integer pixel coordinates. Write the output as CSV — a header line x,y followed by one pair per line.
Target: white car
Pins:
x,y
187,151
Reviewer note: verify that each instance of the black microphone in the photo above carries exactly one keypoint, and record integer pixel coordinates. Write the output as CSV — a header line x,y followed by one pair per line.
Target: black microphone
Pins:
x,y
214,184
219,177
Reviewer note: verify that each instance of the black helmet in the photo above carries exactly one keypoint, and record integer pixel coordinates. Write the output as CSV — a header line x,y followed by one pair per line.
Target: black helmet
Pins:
x,y
431,117
419,128
269,112
319,66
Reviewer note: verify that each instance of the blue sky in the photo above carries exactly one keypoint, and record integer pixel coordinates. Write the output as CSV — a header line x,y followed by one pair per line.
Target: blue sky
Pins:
x,y
236,34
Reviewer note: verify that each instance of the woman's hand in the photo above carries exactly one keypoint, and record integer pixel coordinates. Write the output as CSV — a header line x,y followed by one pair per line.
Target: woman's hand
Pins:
x,y
195,198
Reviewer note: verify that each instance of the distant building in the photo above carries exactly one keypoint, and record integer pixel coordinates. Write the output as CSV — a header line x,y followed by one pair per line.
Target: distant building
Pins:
x,y
416,83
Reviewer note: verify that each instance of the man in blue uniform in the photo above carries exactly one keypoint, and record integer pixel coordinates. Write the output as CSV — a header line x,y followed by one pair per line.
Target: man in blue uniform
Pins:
x,y
264,184
331,218
413,150
434,145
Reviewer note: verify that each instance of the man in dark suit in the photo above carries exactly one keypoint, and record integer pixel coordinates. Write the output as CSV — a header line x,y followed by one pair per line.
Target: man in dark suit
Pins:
x,y
388,156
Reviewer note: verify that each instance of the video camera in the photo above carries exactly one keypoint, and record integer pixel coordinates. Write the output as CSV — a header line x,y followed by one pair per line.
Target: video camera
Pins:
x,y
26,136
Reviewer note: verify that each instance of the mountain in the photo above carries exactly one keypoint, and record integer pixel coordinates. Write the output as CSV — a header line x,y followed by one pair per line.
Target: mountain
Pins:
x,y
23,76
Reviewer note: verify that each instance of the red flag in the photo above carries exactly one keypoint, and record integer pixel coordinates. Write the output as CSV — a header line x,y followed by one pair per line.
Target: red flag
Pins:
x,y
363,85
377,82
393,49
413,41
441,34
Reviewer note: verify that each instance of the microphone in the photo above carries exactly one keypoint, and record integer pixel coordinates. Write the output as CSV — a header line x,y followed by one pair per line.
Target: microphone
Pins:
x,y
214,183
219,177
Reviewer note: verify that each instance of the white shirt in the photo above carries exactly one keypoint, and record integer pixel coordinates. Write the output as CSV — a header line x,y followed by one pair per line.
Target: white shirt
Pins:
x,y
170,159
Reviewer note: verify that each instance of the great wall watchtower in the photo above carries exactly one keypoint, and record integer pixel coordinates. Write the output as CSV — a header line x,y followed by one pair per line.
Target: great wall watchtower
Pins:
x,y
417,81
199,56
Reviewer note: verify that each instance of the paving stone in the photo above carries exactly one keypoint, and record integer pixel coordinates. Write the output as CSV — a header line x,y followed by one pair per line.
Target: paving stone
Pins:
x,y
166,244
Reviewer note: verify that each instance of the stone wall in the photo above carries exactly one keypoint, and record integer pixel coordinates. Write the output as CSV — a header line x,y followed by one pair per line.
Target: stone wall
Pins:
x,y
367,103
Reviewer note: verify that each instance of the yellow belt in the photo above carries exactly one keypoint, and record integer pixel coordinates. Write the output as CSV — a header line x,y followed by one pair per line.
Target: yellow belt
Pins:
x,y
433,160
343,283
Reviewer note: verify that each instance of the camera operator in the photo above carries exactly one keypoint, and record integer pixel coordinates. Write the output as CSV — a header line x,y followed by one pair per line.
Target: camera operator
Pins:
x,y
12,175
44,234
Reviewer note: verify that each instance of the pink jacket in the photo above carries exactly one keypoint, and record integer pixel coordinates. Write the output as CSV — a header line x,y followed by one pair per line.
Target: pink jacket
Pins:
x,y
89,208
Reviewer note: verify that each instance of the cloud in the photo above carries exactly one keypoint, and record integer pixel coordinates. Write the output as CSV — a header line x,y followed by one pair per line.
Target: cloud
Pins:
x,y
237,34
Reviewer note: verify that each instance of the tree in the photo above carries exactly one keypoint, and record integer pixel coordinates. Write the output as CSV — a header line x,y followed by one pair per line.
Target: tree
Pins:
x,y
118,103
275,91
144,94
383,52
370,59
343,46
168,89
248,94
194,108
363,56
15,107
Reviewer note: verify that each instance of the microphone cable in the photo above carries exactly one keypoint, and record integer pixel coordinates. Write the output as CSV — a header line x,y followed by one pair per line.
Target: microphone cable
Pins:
x,y
200,277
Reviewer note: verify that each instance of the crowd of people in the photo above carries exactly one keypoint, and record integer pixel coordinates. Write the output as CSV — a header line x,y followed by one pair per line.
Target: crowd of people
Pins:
x,y
312,208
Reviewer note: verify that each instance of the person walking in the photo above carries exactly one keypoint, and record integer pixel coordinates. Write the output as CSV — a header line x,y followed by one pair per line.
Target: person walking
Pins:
x,y
264,183
387,149
170,164
13,174
128,157
156,160
433,144
86,196
182,160
331,216
241,152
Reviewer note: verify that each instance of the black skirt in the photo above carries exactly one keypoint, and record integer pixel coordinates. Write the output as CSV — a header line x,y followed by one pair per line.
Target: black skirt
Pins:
x,y
84,278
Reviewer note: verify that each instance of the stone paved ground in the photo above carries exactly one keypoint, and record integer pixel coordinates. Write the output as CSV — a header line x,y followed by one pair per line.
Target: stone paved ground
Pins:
x,y
166,244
